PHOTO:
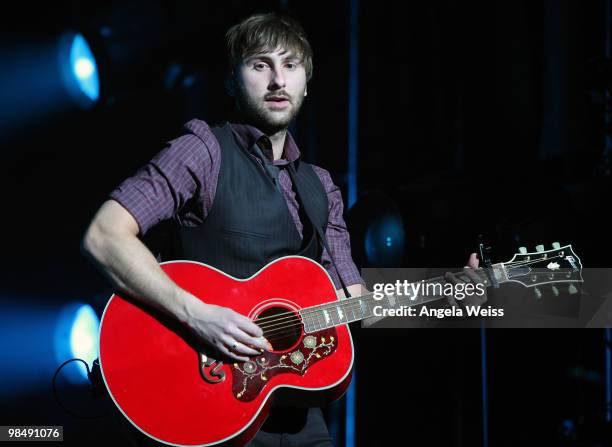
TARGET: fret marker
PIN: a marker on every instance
(340, 313)
(326, 315)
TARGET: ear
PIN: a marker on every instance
(305, 92)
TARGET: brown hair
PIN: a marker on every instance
(265, 32)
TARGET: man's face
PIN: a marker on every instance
(270, 89)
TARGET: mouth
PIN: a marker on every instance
(277, 102)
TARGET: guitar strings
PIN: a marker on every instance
(288, 329)
(306, 312)
(509, 265)
(290, 315)
(315, 309)
(278, 322)
(531, 261)
(285, 330)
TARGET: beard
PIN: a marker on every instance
(267, 120)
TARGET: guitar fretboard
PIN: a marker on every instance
(335, 313)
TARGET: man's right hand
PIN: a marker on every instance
(231, 333)
(111, 242)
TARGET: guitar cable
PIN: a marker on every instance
(95, 385)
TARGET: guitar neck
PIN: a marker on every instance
(358, 308)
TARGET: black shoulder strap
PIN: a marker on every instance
(292, 174)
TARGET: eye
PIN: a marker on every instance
(260, 66)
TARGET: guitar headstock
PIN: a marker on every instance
(557, 266)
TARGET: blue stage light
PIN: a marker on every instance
(84, 334)
(77, 337)
(84, 67)
(79, 69)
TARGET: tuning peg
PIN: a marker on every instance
(555, 291)
(537, 292)
(539, 248)
(523, 250)
(556, 245)
(572, 289)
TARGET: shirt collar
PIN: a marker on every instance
(247, 135)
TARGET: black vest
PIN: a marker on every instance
(249, 224)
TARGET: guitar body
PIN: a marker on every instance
(180, 392)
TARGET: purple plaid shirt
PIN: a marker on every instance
(188, 169)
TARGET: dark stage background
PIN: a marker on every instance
(473, 118)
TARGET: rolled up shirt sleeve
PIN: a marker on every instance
(337, 236)
(158, 190)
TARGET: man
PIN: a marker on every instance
(231, 194)
(228, 214)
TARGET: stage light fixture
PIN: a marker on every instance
(77, 337)
(79, 70)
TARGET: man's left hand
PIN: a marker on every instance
(468, 270)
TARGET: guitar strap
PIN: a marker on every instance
(292, 174)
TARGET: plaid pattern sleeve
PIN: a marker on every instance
(337, 236)
(158, 190)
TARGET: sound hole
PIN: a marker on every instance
(282, 327)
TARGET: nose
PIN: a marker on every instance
(278, 79)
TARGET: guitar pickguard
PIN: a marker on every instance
(249, 378)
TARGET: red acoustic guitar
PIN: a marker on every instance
(180, 393)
